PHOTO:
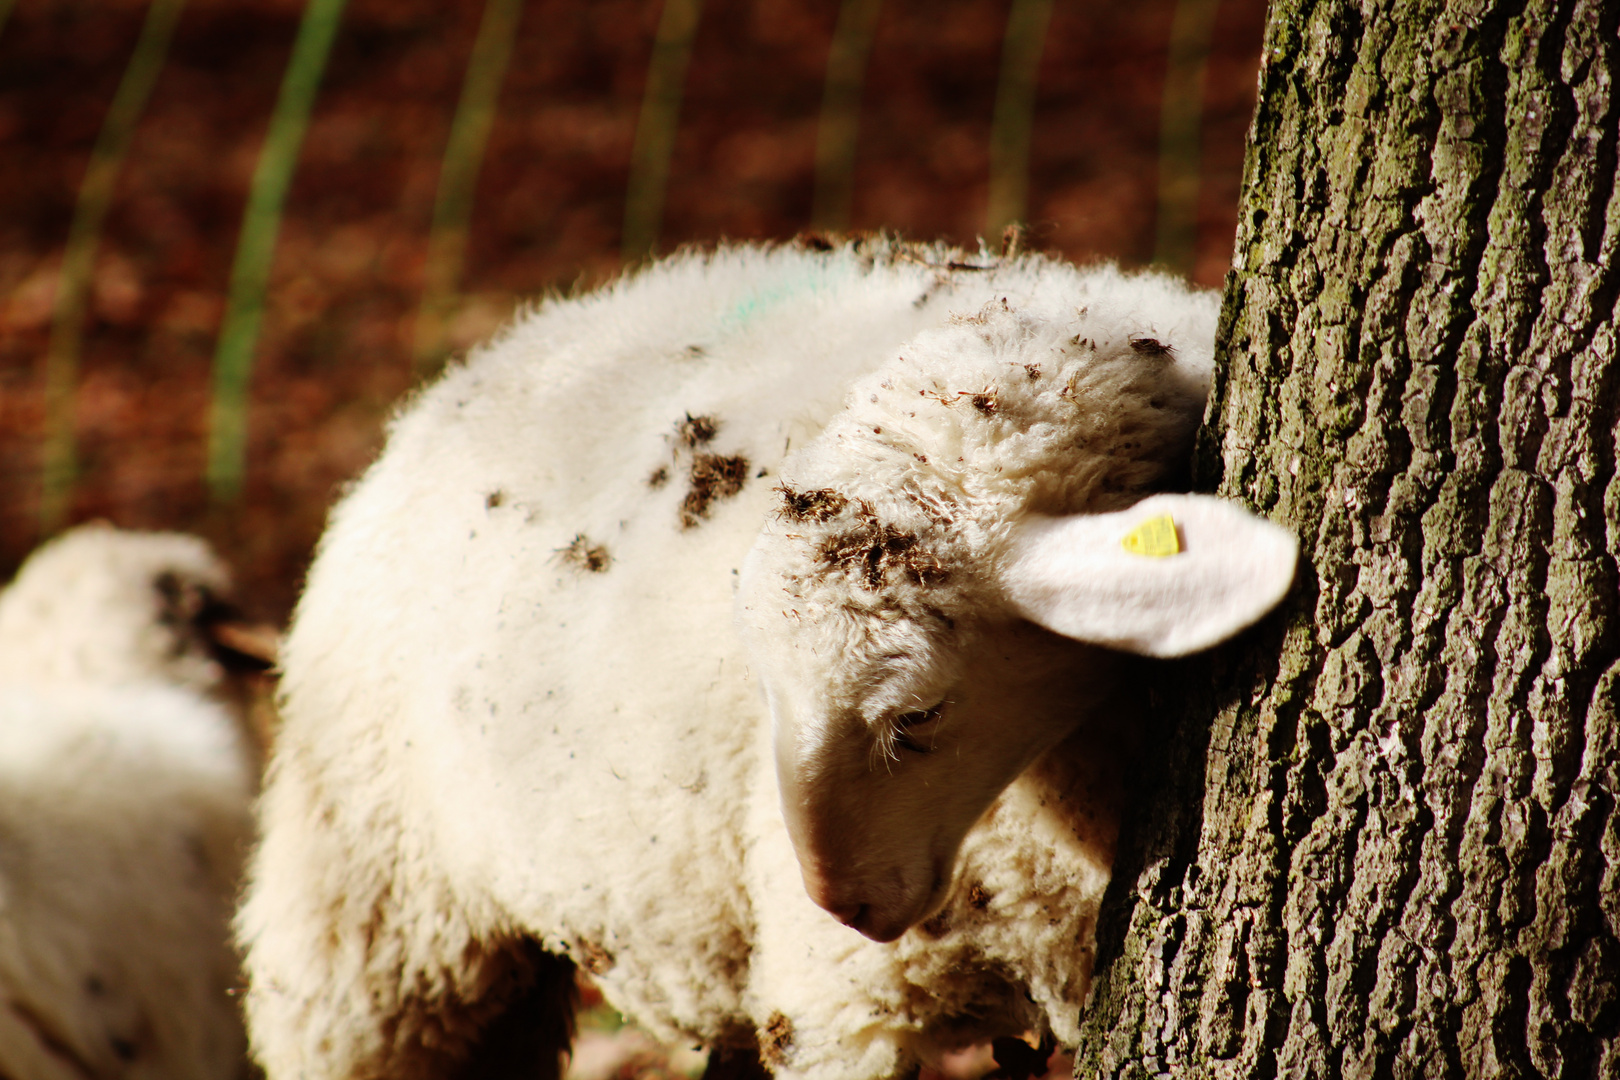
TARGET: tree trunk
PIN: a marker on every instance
(1379, 837)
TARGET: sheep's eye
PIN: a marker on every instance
(911, 729)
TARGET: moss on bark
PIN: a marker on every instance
(1383, 840)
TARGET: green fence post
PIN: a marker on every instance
(250, 271)
(458, 179)
(1015, 114)
(655, 129)
(59, 466)
(840, 124)
(1180, 121)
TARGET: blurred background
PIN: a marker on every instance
(233, 233)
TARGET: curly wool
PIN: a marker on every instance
(515, 705)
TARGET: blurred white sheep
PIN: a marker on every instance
(126, 780)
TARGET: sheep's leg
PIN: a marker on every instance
(528, 1039)
(1017, 1060)
(364, 962)
(505, 1013)
(736, 1061)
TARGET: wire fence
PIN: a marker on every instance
(850, 91)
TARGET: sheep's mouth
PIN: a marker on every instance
(884, 927)
(881, 931)
(237, 645)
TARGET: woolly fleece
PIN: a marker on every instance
(515, 704)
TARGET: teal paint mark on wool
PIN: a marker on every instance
(764, 301)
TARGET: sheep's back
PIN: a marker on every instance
(512, 688)
(512, 670)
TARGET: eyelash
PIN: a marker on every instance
(905, 722)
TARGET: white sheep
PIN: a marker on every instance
(520, 723)
(125, 792)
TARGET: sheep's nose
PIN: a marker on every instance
(849, 914)
(856, 916)
(841, 907)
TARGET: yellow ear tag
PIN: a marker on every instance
(1155, 537)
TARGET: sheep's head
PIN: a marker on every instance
(925, 625)
(105, 605)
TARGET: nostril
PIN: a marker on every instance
(854, 921)
(845, 909)
(847, 913)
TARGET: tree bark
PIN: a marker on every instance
(1380, 837)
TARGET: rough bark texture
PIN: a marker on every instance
(1395, 850)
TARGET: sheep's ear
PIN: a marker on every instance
(1171, 575)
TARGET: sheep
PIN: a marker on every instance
(126, 782)
(656, 543)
